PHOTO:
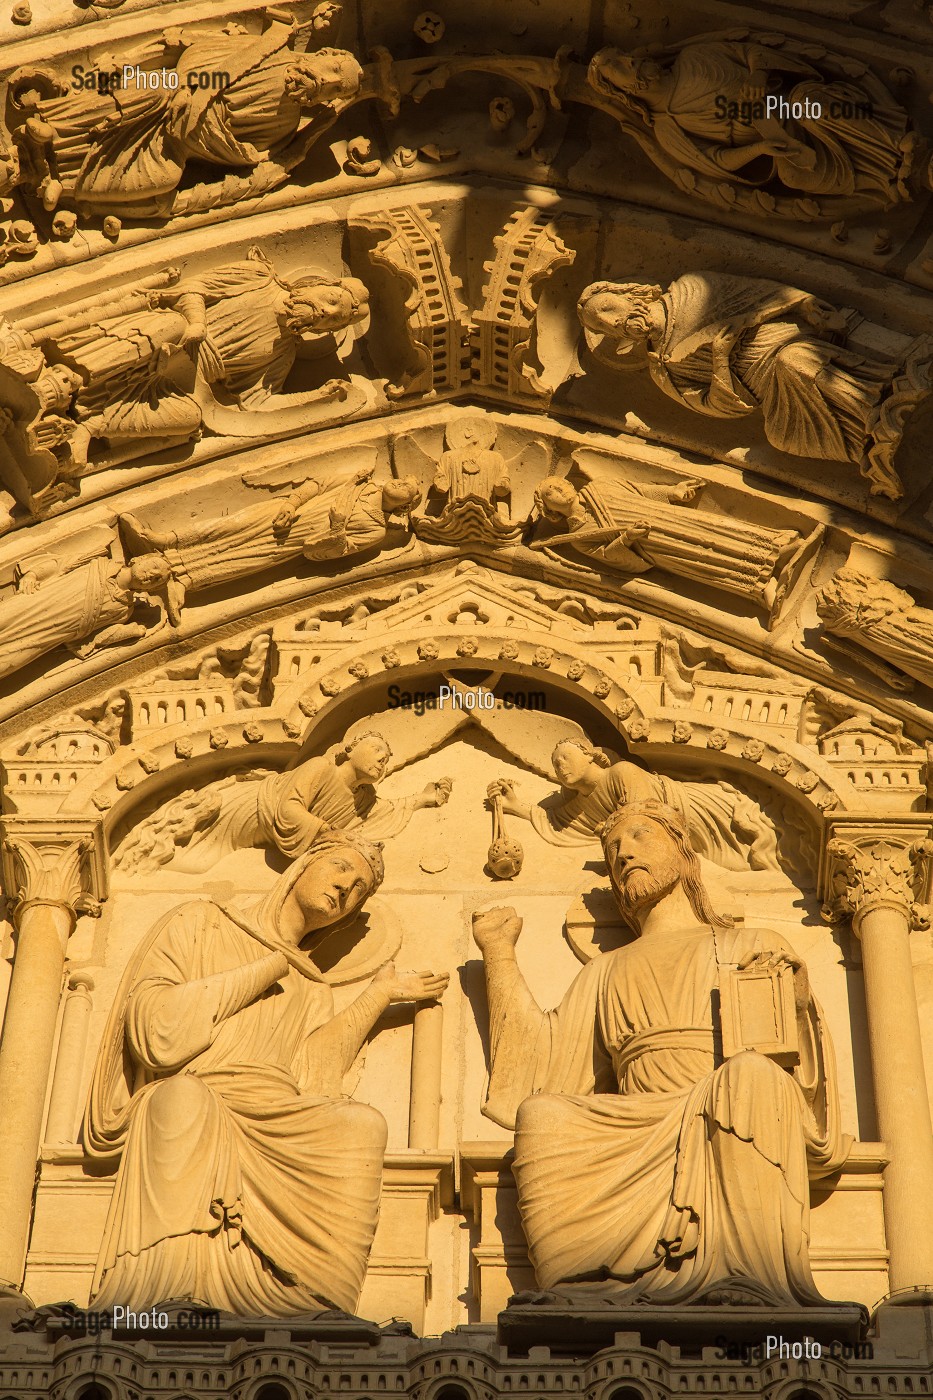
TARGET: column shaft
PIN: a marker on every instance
(69, 1062)
(425, 1104)
(901, 1097)
(25, 1062)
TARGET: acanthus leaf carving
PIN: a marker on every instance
(877, 872)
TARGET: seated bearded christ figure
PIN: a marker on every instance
(247, 1181)
(645, 1160)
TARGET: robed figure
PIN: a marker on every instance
(645, 1161)
(247, 1181)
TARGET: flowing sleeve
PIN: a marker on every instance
(558, 1052)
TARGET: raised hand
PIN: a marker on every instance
(496, 928)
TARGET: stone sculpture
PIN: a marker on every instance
(700, 109)
(472, 478)
(122, 148)
(724, 825)
(81, 604)
(247, 1181)
(227, 339)
(288, 811)
(634, 526)
(726, 346)
(649, 1165)
(314, 521)
(882, 618)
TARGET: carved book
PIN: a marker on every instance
(758, 1013)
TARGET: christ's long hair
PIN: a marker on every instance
(691, 877)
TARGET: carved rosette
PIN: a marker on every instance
(875, 872)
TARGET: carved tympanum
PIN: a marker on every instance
(636, 1144)
(726, 346)
(247, 1180)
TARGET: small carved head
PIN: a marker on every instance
(401, 496)
(470, 433)
(619, 310)
(320, 305)
(64, 224)
(618, 74)
(329, 75)
(555, 498)
(57, 385)
(368, 755)
(149, 571)
(575, 762)
(336, 877)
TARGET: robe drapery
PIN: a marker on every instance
(68, 608)
(720, 551)
(642, 1157)
(724, 826)
(246, 1181)
(817, 399)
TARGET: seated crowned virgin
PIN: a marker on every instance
(247, 1181)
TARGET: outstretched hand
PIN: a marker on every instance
(411, 986)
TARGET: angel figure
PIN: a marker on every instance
(286, 811)
(725, 826)
(318, 520)
(471, 483)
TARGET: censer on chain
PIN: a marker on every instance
(505, 855)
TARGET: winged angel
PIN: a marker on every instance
(469, 487)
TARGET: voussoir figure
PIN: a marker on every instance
(727, 346)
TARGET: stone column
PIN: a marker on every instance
(47, 885)
(879, 879)
(69, 1062)
(425, 1103)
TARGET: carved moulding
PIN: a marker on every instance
(318, 672)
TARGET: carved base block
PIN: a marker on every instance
(575, 1325)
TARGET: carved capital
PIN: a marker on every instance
(54, 861)
(871, 866)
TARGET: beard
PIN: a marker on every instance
(643, 887)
